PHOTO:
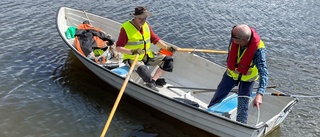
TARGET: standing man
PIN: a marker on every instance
(246, 63)
(136, 37)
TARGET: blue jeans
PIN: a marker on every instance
(225, 86)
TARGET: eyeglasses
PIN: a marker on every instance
(234, 37)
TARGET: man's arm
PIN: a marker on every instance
(260, 61)
(161, 44)
(156, 40)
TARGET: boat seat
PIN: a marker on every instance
(122, 71)
(227, 105)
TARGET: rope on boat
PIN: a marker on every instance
(87, 16)
(258, 115)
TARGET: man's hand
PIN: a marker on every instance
(257, 101)
(172, 49)
(137, 51)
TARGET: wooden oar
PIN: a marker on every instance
(124, 85)
(202, 50)
(202, 90)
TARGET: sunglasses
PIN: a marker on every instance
(234, 37)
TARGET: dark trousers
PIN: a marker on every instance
(225, 86)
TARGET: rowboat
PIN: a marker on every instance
(181, 97)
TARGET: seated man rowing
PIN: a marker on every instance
(136, 37)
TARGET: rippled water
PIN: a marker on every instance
(46, 91)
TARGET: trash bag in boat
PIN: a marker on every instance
(71, 31)
(88, 39)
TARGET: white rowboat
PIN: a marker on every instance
(190, 70)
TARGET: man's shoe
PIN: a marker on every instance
(152, 85)
(160, 82)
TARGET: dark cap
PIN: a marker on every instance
(142, 12)
(86, 22)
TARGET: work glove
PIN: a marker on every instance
(172, 49)
(110, 42)
(137, 51)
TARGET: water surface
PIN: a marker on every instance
(46, 91)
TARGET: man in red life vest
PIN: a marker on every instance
(246, 63)
(136, 37)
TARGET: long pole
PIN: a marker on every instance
(124, 85)
(202, 50)
(201, 90)
(213, 90)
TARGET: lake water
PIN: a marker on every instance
(46, 91)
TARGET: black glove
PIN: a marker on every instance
(172, 49)
(137, 51)
(110, 42)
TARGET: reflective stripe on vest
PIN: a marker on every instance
(252, 73)
(137, 40)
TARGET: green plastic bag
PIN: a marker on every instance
(98, 52)
(71, 31)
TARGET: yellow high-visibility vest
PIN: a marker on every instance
(137, 40)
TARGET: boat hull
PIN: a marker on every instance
(164, 100)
